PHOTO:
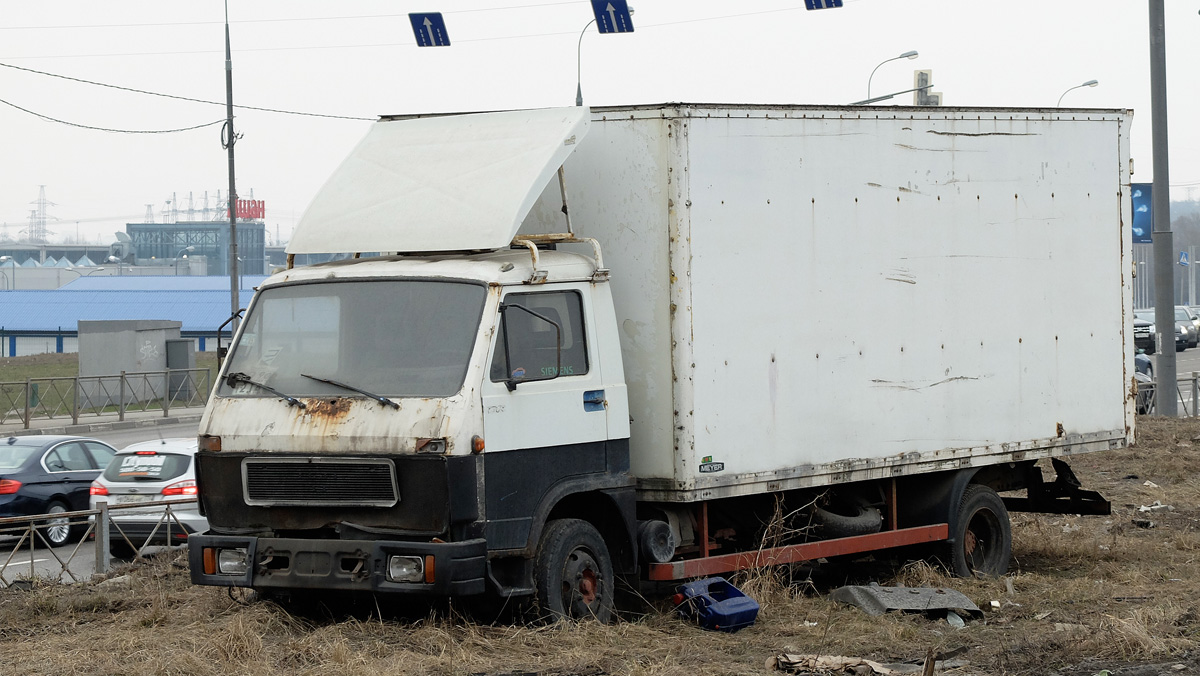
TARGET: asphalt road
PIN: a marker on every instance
(80, 558)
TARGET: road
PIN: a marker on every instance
(83, 564)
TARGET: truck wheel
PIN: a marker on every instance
(573, 573)
(982, 541)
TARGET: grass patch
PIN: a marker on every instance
(1087, 593)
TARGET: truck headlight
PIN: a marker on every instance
(406, 569)
(232, 562)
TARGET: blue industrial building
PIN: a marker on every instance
(40, 321)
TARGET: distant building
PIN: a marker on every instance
(208, 238)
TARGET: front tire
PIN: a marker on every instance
(573, 573)
(982, 540)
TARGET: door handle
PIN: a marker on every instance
(593, 400)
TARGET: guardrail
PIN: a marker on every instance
(1187, 388)
(30, 533)
(82, 396)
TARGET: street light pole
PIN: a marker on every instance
(1089, 83)
(5, 259)
(905, 55)
(578, 66)
(579, 60)
(1164, 244)
(230, 139)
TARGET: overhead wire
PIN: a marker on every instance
(291, 19)
(115, 131)
(180, 98)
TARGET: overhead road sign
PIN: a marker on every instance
(822, 4)
(430, 29)
(613, 16)
(1143, 221)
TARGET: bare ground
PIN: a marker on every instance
(1120, 593)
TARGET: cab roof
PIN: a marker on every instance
(505, 267)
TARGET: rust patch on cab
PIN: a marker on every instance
(331, 409)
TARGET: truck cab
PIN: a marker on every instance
(413, 423)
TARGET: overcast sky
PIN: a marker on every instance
(360, 59)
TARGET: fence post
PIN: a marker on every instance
(28, 413)
(1195, 392)
(121, 405)
(75, 402)
(166, 392)
(103, 547)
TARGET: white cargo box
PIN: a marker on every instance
(814, 295)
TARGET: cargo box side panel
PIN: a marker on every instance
(619, 191)
(902, 292)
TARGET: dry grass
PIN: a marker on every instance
(1088, 593)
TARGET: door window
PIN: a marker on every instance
(67, 458)
(101, 454)
(534, 342)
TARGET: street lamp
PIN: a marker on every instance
(117, 261)
(1089, 83)
(579, 61)
(7, 285)
(187, 249)
(905, 55)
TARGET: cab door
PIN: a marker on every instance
(545, 388)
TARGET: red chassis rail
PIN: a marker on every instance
(724, 563)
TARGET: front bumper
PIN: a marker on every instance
(459, 568)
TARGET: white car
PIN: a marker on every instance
(150, 471)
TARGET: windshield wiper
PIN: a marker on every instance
(234, 378)
(383, 400)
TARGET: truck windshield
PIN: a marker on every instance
(394, 338)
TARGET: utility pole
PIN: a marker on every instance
(230, 138)
(1164, 245)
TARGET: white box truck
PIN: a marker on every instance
(569, 344)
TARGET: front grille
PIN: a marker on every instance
(319, 481)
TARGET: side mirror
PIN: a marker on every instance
(511, 380)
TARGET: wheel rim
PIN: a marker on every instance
(57, 528)
(981, 549)
(582, 584)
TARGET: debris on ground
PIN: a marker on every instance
(714, 603)
(1156, 506)
(826, 664)
(876, 600)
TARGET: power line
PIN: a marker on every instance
(409, 44)
(286, 20)
(180, 98)
(116, 131)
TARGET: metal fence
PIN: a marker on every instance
(25, 542)
(1187, 389)
(82, 396)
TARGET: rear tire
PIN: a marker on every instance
(982, 541)
(57, 530)
(573, 573)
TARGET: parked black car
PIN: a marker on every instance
(44, 474)
(1143, 335)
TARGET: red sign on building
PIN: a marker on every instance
(251, 209)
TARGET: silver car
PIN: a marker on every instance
(150, 471)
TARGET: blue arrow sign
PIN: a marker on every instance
(613, 16)
(822, 4)
(430, 29)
